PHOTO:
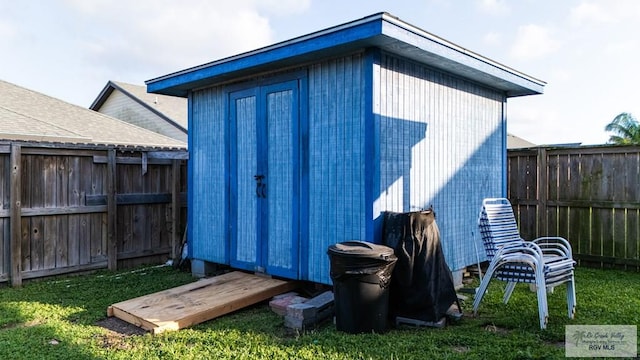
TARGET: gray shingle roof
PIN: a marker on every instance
(515, 142)
(32, 116)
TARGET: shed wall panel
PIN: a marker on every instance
(441, 145)
(246, 220)
(336, 159)
(208, 188)
(282, 190)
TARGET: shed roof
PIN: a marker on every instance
(172, 109)
(27, 115)
(380, 30)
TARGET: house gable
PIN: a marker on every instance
(166, 115)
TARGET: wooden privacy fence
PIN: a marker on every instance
(69, 208)
(589, 195)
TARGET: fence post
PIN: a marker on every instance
(542, 184)
(16, 215)
(175, 205)
(112, 242)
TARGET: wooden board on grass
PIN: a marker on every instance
(203, 300)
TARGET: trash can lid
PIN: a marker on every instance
(358, 249)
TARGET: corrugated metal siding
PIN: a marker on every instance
(207, 186)
(336, 159)
(441, 144)
(121, 106)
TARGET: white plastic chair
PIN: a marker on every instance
(545, 262)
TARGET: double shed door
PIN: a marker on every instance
(265, 178)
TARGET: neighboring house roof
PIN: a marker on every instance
(163, 114)
(515, 142)
(27, 115)
(382, 31)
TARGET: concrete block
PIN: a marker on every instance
(279, 305)
(301, 311)
(323, 300)
(201, 268)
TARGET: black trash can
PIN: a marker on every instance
(361, 275)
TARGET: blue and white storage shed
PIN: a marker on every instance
(305, 143)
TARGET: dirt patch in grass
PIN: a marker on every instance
(558, 344)
(120, 327)
(119, 332)
(495, 329)
(461, 349)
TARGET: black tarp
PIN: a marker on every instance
(422, 285)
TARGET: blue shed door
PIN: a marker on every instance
(265, 179)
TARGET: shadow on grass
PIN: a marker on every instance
(57, 318)
(67, 310)
(32, 336)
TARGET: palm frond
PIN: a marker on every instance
(625, 130)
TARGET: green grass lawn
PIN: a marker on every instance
(59, 319)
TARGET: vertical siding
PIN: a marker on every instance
(245, 222)
(207, 186)
(336, 159)
(441, 144)
(121, 106)
(280, 188)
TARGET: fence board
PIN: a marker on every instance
(590, 195)
(574, 178)
(62, 246)
(553, 163)
(59, 231)
(633, 234)
(49, 242)
(4, 247)
(5, 236)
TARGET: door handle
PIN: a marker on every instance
(259, 185)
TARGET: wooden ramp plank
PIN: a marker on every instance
(193, 303)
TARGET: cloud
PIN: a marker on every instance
(282, 7)
(165, 34)
(622, 48)
(601, 12)
(588, 12)
(492, 38)
(494, 7)
(7, 30)
(533, 42)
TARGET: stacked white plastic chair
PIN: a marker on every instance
(545, 262)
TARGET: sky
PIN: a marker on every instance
(587, 51)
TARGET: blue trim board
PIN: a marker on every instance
(226, 110)
(231, 171)
(262, 243)
(294, 250)
(177, 84)
(379, 30)
(303, 118)
(190, 177)
(503, 125)
(371, 141)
